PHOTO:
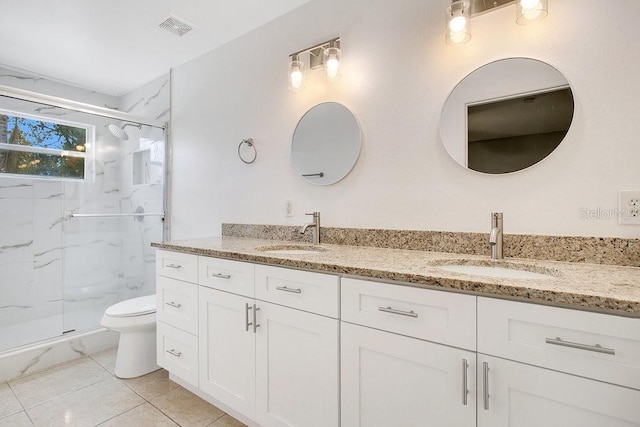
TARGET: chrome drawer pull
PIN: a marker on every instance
(597, 348)
(255, 318)
(174, 353)
(485, 385)
(400, 312)
(221, 276)
(292, 290)
(173, 304)
(246, 317)
(176, 266)
(465, 390)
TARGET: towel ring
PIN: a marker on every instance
(250, 143)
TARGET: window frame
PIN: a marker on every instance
(87, 154)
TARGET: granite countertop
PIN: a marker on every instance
(593, 287)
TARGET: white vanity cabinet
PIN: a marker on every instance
(391, 372)
(177, 314)
(297, 348)
(567, 368)
(274, 362)
(280, 347)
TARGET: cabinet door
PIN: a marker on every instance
(519, 395)
(227, 349)
(297, 374)
(393, 380)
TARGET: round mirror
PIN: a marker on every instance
(326, 143)
(507, 115)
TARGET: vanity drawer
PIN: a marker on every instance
(600, 346)
(177, 265)
(226, 275)
(178, 352)
(437, 316)
(177, 304)
(314, 292)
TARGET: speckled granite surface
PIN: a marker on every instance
(596, 250)
(594, 287)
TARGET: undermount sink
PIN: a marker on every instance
(498, 269)
(291, 249)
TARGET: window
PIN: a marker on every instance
(43, 147)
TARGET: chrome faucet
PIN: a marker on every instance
(315, 225)
(495, 236)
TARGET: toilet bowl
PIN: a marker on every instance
(135, 319)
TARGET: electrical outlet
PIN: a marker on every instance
(629, 207)
(289, 208)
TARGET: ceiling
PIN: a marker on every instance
(114, 46)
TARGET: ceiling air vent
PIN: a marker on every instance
(176, 26)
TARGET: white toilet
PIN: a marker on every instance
(135, 319)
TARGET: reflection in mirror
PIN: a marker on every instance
(326, 143)
(507, 115)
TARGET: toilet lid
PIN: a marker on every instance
(133, 307)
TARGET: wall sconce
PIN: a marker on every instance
(459, 13)
(325, 54)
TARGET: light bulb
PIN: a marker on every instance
(457, 24)
(332, 67)
(529, 4)
(296, 79)
(531, 10)
(331, 62)
(296, 74)
(457, 20)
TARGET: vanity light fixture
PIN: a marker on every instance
(460, 12)
(325, 54)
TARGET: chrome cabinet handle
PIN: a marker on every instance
(485, 385)
(597, 347)
(292, 290)
(255, 320)
(400, 312)
(221, 276)
(176, 266)
(175, 353)
(173, 304)
(465, 390)
(246, 317)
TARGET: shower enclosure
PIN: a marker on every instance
(79, 206)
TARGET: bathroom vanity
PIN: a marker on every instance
(287, 335)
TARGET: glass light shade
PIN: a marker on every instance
(331, 59)
(531, 10)
(457, 18)
(296, 75)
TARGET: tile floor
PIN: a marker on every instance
(85, 392)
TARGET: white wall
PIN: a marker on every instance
(397, 74)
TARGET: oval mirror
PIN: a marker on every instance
(507, 115)
(326, 143)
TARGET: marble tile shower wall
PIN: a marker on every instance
(59, 274)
